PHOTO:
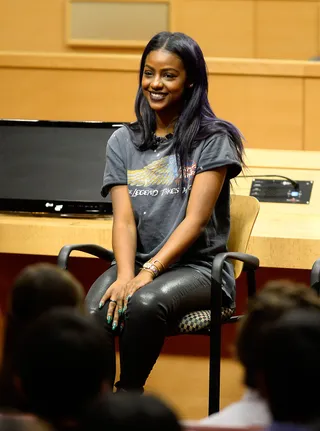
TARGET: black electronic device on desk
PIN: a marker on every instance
(281, 191)
(53, 167)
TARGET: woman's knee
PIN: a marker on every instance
(145, 304)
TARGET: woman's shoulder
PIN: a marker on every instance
(126, 131)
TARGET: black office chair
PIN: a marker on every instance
(315, 276)
(243, 213)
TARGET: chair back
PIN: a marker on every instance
(315, 276)
(243, 214)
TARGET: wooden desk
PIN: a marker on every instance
(285, 235)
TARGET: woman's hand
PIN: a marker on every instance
(143, 278)
(116, 295)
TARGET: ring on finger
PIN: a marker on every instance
(113, 300)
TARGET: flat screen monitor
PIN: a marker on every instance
(53, 167)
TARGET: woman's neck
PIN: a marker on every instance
(164, 126)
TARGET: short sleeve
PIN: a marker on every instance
(115, 172)
(219, 151)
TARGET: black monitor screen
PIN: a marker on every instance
(54, 167)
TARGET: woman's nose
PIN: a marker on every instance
(157, 83)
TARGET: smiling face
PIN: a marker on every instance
(164, 81)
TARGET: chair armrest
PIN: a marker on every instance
(315, 276)
(93, 249)
(251, 263)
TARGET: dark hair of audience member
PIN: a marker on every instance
(22, 422)
(290, 372)
(62, 363)
(131, 411)
(272, 302)
(37, 289)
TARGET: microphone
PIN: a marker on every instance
(157, 140)
(294, 183)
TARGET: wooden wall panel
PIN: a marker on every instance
(318, 53)
(287, 29)
(267, 110)
(40, 26)
(273, 102)
(221, 27)
(67, 95)
(32, 25)
(312, 114)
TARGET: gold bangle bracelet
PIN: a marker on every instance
(163, 268)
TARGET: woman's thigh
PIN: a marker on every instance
(175, 292)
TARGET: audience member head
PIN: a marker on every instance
(290, 372)
(40, 287)
(22, 422)
(37, 289)
(63, 362)
(272, 302)
(131, 411)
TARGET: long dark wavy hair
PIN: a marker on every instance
(197, 120)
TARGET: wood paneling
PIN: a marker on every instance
(267, 110)
(273, 102)
(312, 114)
(286, 29)
(118, 24)
(67, 94)
(318, 53)
(39, 26)
(221, 27)
(33, 25)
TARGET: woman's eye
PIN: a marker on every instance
(147, 73)
(169, 75)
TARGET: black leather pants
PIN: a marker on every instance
(152, 313)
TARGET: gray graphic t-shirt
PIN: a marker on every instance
(159, 204)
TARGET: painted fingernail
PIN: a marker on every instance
(114, 325)
(124, 309)
(128, 297)
(101, 304)
(120, 311)
(109, 320)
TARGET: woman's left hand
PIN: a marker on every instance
(140, 280)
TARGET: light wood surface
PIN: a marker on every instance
(284, 235)
(183, 382)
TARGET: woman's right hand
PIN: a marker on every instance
(116, 296)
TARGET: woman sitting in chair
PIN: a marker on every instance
(168, 174)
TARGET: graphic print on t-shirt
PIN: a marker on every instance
(160, 172)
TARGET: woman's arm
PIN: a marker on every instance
(124, 244)
(203, 197)
(124, 233)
